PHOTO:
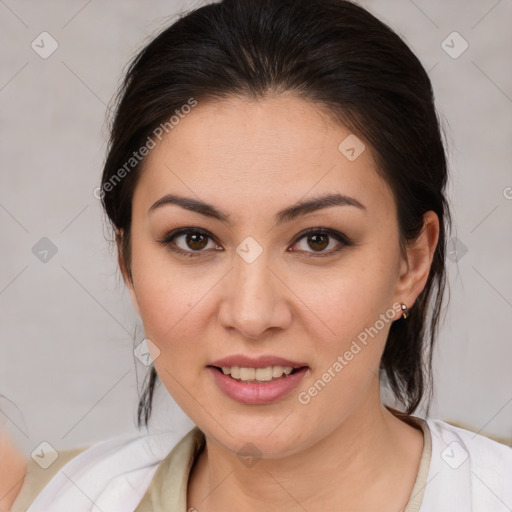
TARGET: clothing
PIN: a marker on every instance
(36, 478)
(168, 490)
(459, 471)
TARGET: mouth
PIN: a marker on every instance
(257, 375)
(257, 381)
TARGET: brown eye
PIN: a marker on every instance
(196, 241)
(318, 242)
(189, 242)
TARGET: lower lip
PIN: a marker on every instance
(256, 393)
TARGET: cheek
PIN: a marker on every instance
(175, 320)
(350, 297)
(171, 309)
(353, 312)
(169, 297)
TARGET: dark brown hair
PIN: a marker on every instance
(355, 68)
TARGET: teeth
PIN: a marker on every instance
(277, 371)
(259, 374)
(247, 373)
(264, 374)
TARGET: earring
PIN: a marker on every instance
(404, 311)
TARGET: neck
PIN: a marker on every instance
(351, 467)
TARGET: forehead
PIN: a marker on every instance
(250, 154)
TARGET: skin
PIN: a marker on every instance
(343, 450)
(12, 471)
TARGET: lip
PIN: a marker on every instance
(259, 362)
(255, 393)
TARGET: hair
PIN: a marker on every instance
(336, 55)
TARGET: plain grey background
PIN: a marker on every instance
(67, 369)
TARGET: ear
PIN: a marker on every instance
(127, 278)
(415, 267)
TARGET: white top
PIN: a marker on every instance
(467, 472)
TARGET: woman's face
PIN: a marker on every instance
(252, 284)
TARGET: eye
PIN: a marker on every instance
(191, 242)
(187, 241)
(319, 239)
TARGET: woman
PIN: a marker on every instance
(276, 183)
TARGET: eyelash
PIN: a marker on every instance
(340, 237)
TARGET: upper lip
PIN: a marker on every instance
(258, 362)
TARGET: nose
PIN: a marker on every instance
(255, 300)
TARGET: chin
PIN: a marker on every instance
(264, 438)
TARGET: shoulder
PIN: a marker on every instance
(480, 449)
(467, 471)
(36, 478)
(118, 468)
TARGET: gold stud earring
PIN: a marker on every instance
(404, 311)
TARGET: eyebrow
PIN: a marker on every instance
(286, 215)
